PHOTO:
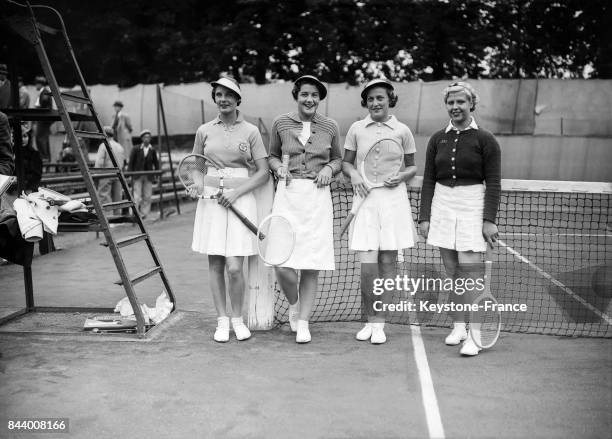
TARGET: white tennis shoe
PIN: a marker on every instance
(378, 333)
(469, 348)
(365, 333)
(223, 329)
(457, 335)
(240, 329)
(303, 333)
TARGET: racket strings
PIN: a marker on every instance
(278, 240)
(383, 160)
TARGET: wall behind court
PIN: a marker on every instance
(548, 128)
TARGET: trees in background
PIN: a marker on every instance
(127, 42)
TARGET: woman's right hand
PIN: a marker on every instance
(359, 186)
(283, 172)
(424, 229)
(195, 190)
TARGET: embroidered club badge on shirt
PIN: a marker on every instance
(243, 146)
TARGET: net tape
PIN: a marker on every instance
(555, 245)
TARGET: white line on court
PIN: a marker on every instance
(430, 402)
(563, 288)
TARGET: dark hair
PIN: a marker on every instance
(298, 85)
(212, 94)
(392, 97)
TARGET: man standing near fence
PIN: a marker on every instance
(122, 128)
(42, 129)
(110, 189)
(143, 158)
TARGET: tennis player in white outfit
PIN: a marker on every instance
(217, 232)
(384, 224)
(312, 143)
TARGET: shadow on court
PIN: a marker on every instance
(183, 385)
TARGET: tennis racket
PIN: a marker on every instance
(277, 240)
(383, 160)
(193, 174)
(485, 324)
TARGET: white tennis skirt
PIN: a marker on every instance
(218, 231)
(310, 211)
(384, 221)
(456, 218)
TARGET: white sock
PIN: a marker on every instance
(223, 322)
(237, 321)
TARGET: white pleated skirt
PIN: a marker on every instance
(218, 231)
(384, 221)
(456, 218)
(310, 211)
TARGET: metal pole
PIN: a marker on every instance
(163, 118)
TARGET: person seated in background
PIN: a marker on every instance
(110, 188)
(7, 160)
(143, 158)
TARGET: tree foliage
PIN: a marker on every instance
(126, 42)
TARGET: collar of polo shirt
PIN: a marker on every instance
(295, 116)
(239, 118)
(471, 126)
(391, 122)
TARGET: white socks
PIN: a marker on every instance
(294, 310)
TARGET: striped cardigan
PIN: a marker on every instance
(305, 161)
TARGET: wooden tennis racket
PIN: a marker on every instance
(383, 160)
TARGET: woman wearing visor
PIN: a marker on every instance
(312, 143)
(383, 224)
(217, 232)
(460, 198)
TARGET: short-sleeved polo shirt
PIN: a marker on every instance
(364, 133)
(236, 146)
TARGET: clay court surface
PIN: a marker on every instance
(180, 384)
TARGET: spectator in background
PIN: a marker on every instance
(110, 189)
(42, 129)
(24, 96)
(122, 128)
(143, 158)
(5, 88)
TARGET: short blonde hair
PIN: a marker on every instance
(464, 87)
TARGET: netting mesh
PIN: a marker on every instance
(553, 256)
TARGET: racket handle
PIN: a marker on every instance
(346, 224)
(252, 227)
(286, 166)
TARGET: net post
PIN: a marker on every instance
(261, 280)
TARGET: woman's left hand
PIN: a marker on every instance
(393, 181)
(228, 198)
(490, 233)
(324, 178)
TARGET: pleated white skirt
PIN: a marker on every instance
(384, 221)
(218, 231)
(456, 218)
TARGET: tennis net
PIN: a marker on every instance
(554, 256)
